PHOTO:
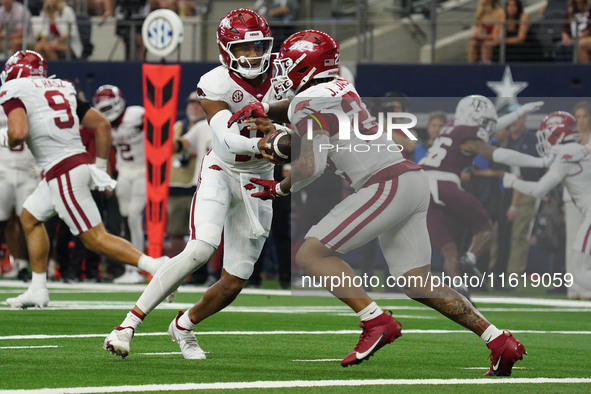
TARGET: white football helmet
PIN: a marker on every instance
(109, 101)
(476, 110)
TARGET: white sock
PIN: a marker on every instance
(132, 320)
(185, 321)
(370, 312)
(20, 264)
(173, 273)
(491, 333)
(472, 257)
(148, 264)
(39, 280)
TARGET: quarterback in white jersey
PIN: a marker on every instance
(223, 199)
(127, 125)
(572, 168)
(390, 201)
(45, 113)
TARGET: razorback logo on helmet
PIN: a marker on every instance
(249, 186)
(200, 92)
(3, 93)
(237, 96)
(215, 167)
(302, 105)
(567, 157)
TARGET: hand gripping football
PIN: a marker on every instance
(279, 146)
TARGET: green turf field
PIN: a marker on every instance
(270, 342)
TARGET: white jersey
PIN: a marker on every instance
(574, 162)
(51, 111)
(220, 84)
(572, 167)
(17, 158)
(128, 138)
(356, 160)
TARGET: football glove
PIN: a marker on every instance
(254, 110)
(271, 189)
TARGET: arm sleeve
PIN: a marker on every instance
(231, 137)
(514, 158)
(505, 121)
(540, 188)
(81, 108)
(320, 159)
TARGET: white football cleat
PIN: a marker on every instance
(130, 277)
(186, 340)
(32, 298)
(118, 341)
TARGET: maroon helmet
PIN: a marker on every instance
(109, 101)
(306, 55)
(245, 30)
(24, 64)
(556, 128)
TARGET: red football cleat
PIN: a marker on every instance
(505, 351)
(376, 333)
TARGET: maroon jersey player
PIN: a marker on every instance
(453, 151)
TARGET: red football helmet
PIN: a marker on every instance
(245, 30)
(556, 128)
(24, 64)
(306, 55)
(109, 101)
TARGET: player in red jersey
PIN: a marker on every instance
(390, 201)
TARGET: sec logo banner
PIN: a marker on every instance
(162, 32)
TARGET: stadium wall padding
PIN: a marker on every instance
(552, 80)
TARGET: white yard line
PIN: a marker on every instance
(339, 332)
(111, 288)
(28, 347)
(336, 309)
(158, 354)
(295, 383)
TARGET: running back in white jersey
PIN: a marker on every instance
(574, 162)
(128, 138)
(356, 160)
(51, 111)
(221, 84)
(17, 158)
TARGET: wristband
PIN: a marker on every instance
(101, 164)
(266, 107)
(513, 208)
(279, 191)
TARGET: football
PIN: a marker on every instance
(279, 146)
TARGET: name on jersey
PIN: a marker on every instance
(50, 83)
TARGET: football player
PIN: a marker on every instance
(223, 198)
(127, 125)
(390, 201)
(45, 113)
(454, 150)
(572, 168)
